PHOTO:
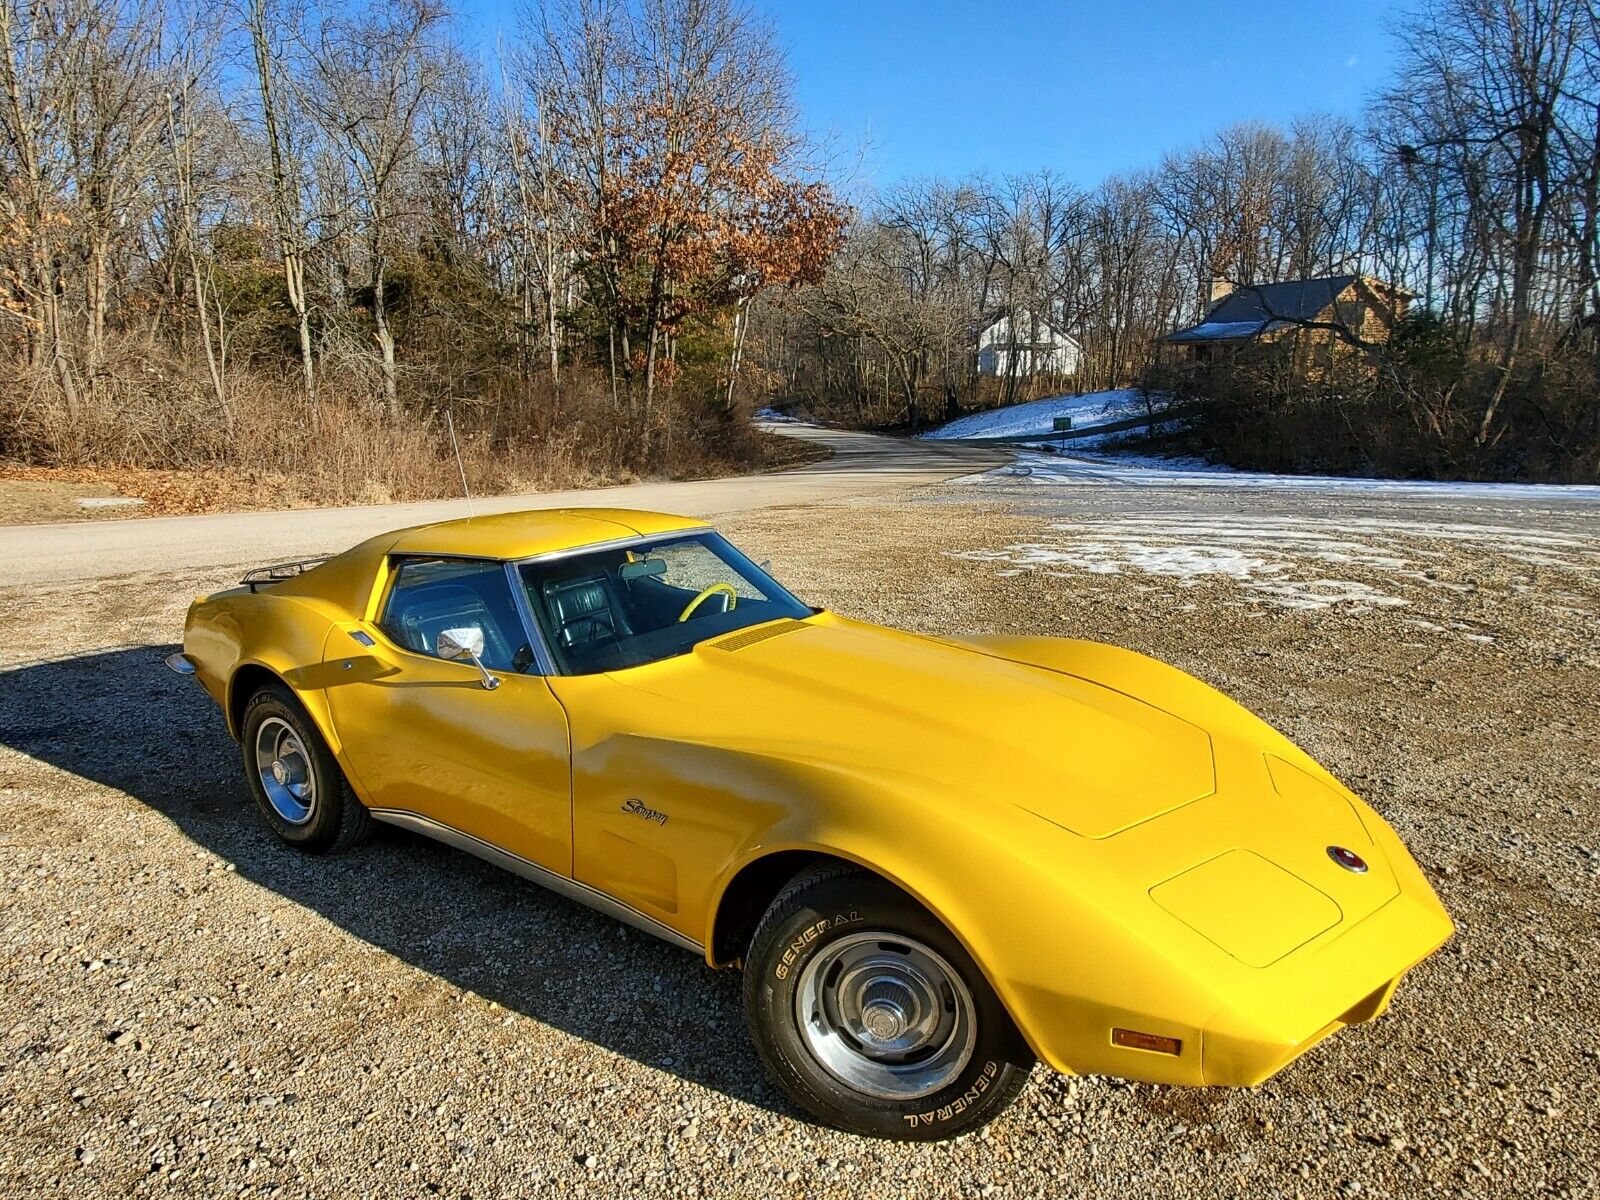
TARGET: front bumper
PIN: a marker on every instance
(1236, 1026)
(1315, 993)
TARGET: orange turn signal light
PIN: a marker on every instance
(1135, 1040)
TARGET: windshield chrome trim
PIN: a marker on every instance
(543, 660)
(633, 539)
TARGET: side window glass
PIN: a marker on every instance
(428, 595)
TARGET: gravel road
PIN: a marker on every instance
(859, 464)
(192, 1010)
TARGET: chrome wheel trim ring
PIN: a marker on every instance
(886, 1015)
(285, 771)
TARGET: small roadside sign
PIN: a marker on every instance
(1060, 424)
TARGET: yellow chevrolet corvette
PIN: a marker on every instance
(936, 859)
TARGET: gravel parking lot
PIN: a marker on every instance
(191, 1009)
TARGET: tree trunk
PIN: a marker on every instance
(59, 362)
(284, 207)
(741, 325)
(294, 278)
(380, 320)
(95, 286)
(184, 179)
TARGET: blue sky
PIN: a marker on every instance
(1085, 87)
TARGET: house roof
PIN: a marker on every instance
(1249, 310)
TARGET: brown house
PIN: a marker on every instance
(1302, 312)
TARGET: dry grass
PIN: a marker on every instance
(154, 429)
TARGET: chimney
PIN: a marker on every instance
(1220, 289)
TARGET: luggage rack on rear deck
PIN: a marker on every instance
(277, 573)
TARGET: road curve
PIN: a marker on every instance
(860, 463)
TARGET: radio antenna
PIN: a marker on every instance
(450, 424)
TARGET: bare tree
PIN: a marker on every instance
(40, 73)
(1488, 81)
(264, 26)
(372, 71)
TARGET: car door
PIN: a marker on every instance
(427, 741)
(659, 805)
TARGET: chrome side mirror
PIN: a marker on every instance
(465, 644)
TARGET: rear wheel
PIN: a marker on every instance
(298, 787)
(872, 1017)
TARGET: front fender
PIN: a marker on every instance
(1013, 890)
(1154, 682)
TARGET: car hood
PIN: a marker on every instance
(1082, 755)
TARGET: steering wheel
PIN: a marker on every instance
(725, 588)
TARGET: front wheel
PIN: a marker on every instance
(298, 787)
(872, 1017)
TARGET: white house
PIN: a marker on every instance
(1036, 347)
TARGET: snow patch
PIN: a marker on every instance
(1077, 469)
(1286, 562)
(773, 417)
(1037, 417)
(1269, 578)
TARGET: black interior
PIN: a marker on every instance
(591, 613)
(586, 611)
(598, 617)
(594, 615)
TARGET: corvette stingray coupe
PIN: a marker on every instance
(936, 859)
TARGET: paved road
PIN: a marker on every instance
(861, 463)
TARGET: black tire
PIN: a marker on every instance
(826, 915)
(335, 819)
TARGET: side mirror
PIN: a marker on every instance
(465, 644)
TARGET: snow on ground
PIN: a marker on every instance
(773, 416)
(1287, 562)
(1037, 418)
(1310, 560)
(1133, 470)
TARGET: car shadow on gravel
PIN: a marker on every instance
(119, 718)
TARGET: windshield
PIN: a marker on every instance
(640, 603)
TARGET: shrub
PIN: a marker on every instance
(155, 408)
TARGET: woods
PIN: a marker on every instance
(289, 236)
(286, 236)
(1471, 183)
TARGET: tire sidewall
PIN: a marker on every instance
(326, 815)
(796, 933)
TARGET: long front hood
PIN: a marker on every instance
(1084, 756)
(1096, 741)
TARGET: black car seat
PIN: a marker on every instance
(584, 611)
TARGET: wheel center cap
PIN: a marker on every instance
(883, 1021)
(289, 771)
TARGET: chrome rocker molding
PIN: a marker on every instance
(560, 884)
